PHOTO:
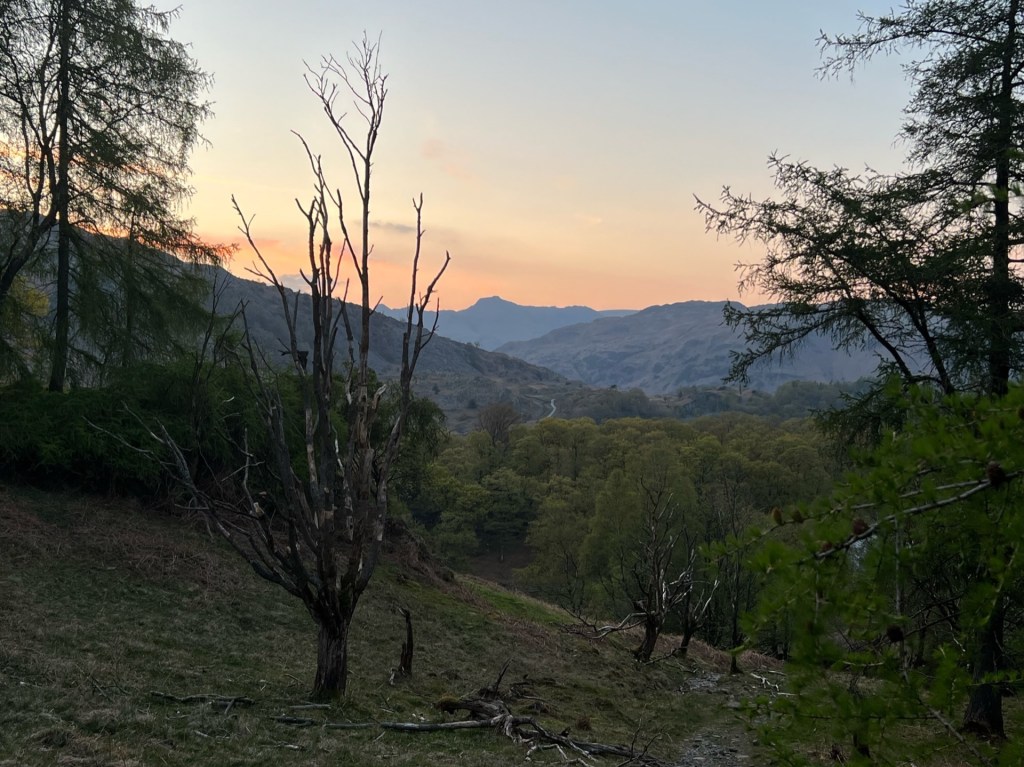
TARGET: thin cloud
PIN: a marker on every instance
(392, 226)
(295, 282)
(450, 162)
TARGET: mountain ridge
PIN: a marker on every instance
(493, 321)
(666, 347)
(461, 378)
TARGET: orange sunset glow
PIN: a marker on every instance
(558, 147)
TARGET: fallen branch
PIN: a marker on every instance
(228, 701)
(519, 728)
(298, 721)
(466, 724)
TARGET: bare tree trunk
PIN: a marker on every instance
(984, 714)
(331, 656)
(405, 663)
(652, 630)
(734, 667)
(684, 644)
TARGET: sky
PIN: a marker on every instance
(558, 144)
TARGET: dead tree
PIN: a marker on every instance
(319, 531)
(661, 582)
(497, 420)
(655, 564)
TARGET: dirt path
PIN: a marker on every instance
(729, 742)
(716, 750)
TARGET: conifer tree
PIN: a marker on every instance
(918, 263)
(99, 110)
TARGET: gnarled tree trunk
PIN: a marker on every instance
(331, 656)
(652, 630)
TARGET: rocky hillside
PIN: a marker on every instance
(664, 348)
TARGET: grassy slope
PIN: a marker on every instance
(102, 603)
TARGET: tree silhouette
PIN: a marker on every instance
(318, 531)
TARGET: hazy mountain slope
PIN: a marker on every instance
(491, 322)
(654, 350)
(663, 348)
(442, 355)
(461, 378)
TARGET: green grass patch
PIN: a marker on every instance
(105, 602)
(511, 605)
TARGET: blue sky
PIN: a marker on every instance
(558, 145)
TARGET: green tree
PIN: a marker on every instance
(99, 110)
(554, 536)
(508, 512)
(894, 584)
(452, 510)
(921, 263)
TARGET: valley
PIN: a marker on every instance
(665, 361)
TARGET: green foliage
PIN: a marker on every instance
(131, 304)
(921, 263)
(99, 439)
(21, 312)
(108, 107)
(892, 586)
(452, 509)
(580, 495)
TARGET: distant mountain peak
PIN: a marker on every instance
(493, 320)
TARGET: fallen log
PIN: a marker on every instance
(519, 728)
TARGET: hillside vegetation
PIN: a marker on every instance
(113, 609)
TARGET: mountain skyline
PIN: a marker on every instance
(669, 347)
(659, 349)
(492, 321)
